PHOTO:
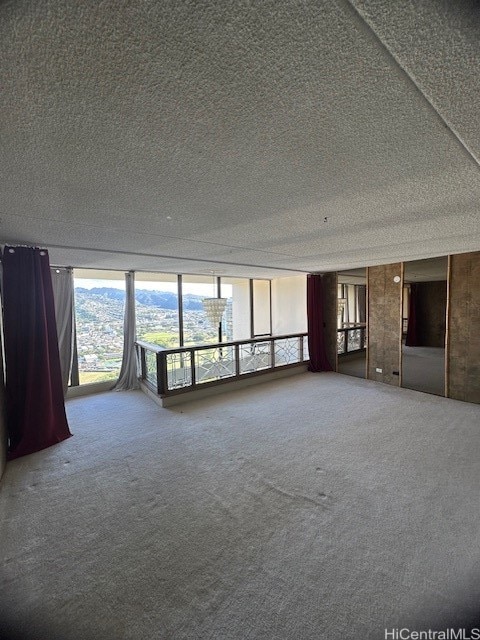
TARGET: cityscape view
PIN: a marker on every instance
(99, 321)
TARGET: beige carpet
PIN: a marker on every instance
(320, 506)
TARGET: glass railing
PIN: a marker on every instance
(171, 371)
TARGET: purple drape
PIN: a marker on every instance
(35, 407)
(316, 325)
(412, 339)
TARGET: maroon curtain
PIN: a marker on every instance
(412, 339)
(316, 325)
(35, 407)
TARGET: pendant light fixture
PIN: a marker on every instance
(214, 307)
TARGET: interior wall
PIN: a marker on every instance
(261, 307)
(431, 313)
(463, 345)
(384, 323)
(289, 305)
(330, 306)
(241, 310)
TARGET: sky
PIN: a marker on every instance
(196, 288)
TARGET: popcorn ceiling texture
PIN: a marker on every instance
(188, 136)
(438, 45)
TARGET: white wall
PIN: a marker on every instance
(289, 305)
(241, 310)
(261, 307)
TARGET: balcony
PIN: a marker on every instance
(171, 372)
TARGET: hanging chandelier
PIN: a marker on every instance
(214, 307)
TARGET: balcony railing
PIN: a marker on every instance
(171, 371)
(351, 339)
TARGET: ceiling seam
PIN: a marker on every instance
(161, 236)
(167, 257)
(370, 31)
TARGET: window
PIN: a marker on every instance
(236, 319)
(99, 311)
(196, 326)
(156, 307)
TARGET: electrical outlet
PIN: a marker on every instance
(379, 370)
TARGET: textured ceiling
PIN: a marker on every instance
(243, 138)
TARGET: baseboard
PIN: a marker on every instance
(88, 389)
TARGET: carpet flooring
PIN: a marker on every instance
(318, 506)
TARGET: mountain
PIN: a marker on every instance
(161, 299)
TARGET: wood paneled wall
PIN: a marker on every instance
(330, 304)
(384, 323)
(463, 344)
